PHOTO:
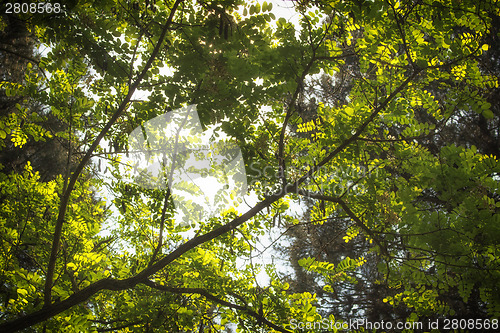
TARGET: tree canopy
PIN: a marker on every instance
(369, 132)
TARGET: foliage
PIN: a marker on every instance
(339, 111)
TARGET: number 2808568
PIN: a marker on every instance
(33, 8)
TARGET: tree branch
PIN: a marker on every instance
(349, 212)
(20, 55)
(117, 285)
(217, 300)
(289, 112)
(162, 224)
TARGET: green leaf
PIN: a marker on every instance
(485, 106)
(488, 114)
(22, 292)
(349, 110)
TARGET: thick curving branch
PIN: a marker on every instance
(116, 285)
